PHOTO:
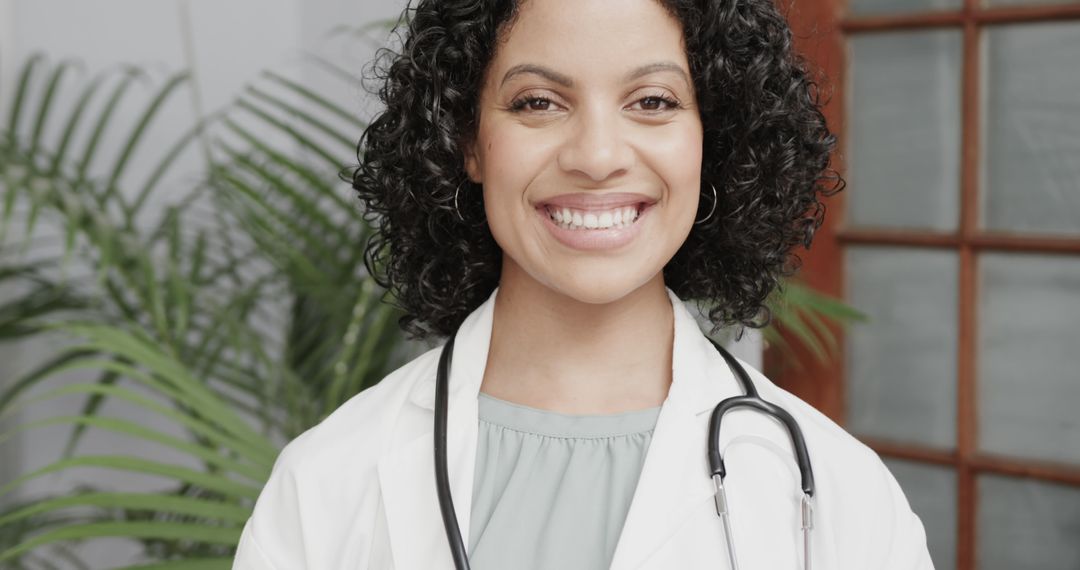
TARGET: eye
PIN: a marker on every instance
(530, 103)
(661, 100)
(541, 104)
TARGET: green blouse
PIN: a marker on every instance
(552, 490)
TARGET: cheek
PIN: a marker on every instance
(506, 154)
(678, 159)
(686, 150)
(506, 178)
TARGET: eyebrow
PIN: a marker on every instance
(565, 81)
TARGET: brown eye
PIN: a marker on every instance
(651, 101)
(659, 100)
(533, 104)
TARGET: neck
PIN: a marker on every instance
(554, 352)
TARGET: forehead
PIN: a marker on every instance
(590, 39)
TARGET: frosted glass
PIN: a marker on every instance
(1026, 2)
(901, 363)
(868, 7)
(1027, 524)
(1031, 170)
(903, 147)
(931, 491)
(1029, 376)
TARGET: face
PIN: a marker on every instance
(588, 114)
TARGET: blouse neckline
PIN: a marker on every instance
(527, 419)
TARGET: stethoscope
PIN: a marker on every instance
(716, 460)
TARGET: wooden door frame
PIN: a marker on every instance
(815, 26)
(820, 30)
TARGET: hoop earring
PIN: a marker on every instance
(456, 211)
(713, 205)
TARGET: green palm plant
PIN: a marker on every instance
(806, 314)
(240, 316)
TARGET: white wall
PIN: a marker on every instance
(7, 38)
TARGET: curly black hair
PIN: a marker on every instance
(766, 149)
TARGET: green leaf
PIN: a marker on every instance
(144, 467)
(301, 139)
(175, 531)
(151, 502)
(46, 105)
(308, 118)
(136, 135)
(138, 348)
(317, 99)
(209, 456)
(130, 74)
(73, 122)
(222, 563)
(25, 78)
(263, 456)
(163, 166)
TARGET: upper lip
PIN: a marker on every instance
(596, 200)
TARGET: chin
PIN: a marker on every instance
(599, 289)
(589, 281)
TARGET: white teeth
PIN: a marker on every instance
(576, 220)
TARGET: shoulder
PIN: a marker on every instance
(362, 429)
(324, 482)
(857, 495)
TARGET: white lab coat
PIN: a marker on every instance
(358, 491)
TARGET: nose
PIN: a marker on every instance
(596, 146)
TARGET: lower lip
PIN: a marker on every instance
(594, 239)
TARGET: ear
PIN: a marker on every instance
(472, 162)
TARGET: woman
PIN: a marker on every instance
(551, 179)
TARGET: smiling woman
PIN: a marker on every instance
(601, 77)
(550, 179)
(577, 130)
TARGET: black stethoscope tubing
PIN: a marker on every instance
(716, 461)
(752, 400)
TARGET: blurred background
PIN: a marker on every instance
(182, 290)
(959, 238)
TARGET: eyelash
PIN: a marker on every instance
(519, 104)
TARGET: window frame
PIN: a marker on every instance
(821, 29)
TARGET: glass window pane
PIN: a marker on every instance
(1031, 123)
(1027, 524)
(994, 3)
(931, 491)
(903, 148)
(902, 362)
(873, 7)
(1029, 322)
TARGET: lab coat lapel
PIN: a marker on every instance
(675, 475)
(407, 470)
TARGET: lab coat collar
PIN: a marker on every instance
(673, 479)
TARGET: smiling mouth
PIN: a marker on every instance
(606, 219)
